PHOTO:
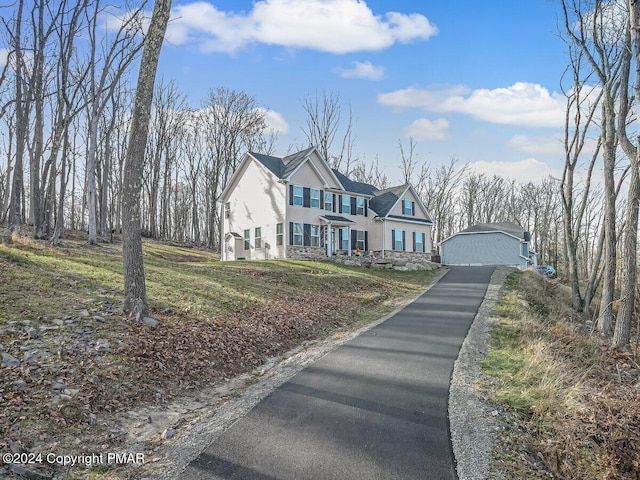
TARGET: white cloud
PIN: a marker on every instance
(425, 129)
(365, 70)
(538, 144)
(275, 121)
(335, 26)
(529, 169)
(525, 104)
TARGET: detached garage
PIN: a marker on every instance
(489, 244)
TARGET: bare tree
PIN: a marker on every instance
(135, 292)
(582, 105)
(21, 107)
(591, 26)
(231, 119)
(106, 70)
(628, 286)
(370, 173)
(324, 121)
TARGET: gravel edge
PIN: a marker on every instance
(473, 426)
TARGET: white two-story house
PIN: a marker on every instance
(298, 207)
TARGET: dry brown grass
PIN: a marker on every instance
(573, 404)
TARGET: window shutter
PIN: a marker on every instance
(334, 202)
(393, 239)
(404, 240)
(291, 233)
(366, 240)
(306, 197)
(321, 199)
(306, 228)
(414, 241)
(339, 203)
(366, 207)
(339, 239)
(424, 242)
(354, 239)
(322, 230)
(413, 208)
(290, 194)
(353, 206)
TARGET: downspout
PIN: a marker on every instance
(383, 236)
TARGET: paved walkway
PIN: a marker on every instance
(375, 408)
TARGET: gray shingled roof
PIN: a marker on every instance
(292, 161)
(336, 218)
(507, 227)
(384, 200)
(355, 187)
(275, 164)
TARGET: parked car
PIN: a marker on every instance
(547, 271)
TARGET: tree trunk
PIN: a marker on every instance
(622, 330)
(135, 294)
(628, 286)
(606, 317)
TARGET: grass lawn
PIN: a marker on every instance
(572, 406)
(80, 358)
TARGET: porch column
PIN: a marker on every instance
(349, 235)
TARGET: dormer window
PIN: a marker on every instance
(408, 208)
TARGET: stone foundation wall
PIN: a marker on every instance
(416, 257)
(306, 253)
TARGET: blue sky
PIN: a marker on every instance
(475, 80)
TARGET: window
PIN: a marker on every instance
(258, 237)
(279, 234)
(314, 233)
(328, 201)
(407, 207)
(298, 234)
(297, 195)
(398, 240)
(346, 204)
(419, 242)
(227, 210)
(345, 238)
(315, 198)
(360, 206)
(360, 240)
(247, 239)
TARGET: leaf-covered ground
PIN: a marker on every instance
(571, 404)
(70, 357)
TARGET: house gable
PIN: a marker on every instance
(390, 204)
(297, 168)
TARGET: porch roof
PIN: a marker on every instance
(336, 220)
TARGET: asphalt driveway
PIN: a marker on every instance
(375, 408)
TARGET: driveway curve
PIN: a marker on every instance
(375, 408)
